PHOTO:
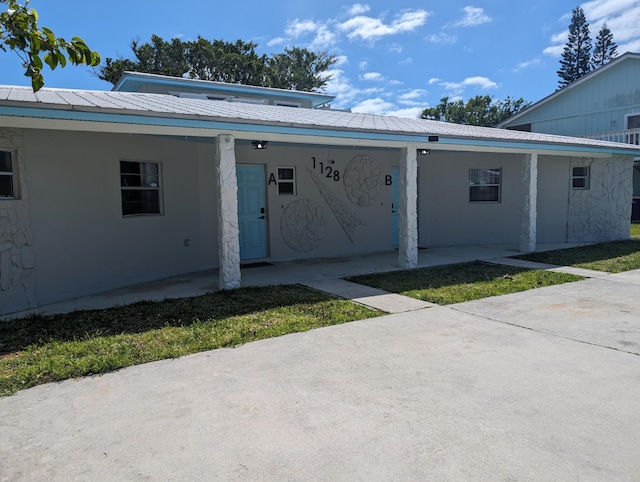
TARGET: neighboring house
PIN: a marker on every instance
(100, 190)
(604, 104)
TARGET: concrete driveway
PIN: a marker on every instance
(543, 385)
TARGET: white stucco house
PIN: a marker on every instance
(162, 176)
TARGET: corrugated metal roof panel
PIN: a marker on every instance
(167, 106)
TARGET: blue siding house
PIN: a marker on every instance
(603, 105)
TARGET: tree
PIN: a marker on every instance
(605, 49)
(299, 69)
(232, 62)
(480, 110)
(576, 57)
(37, 45)
(220, 61)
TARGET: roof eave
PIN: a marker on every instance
(183, 125)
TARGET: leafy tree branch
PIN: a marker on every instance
(37, 45)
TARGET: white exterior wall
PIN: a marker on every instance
(446, 217)
(348, 213)
(82, 244)
(66, 236)
(602, 212)
(17, 263)
(553, 199)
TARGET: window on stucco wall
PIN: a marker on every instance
(286, 181)
(7, 184)
(580, 177)
(140, 186)
(485, 185)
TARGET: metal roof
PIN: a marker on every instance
(133, 81)
(169, 114)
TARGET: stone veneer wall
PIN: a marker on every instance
(17, 281)
(602, 212)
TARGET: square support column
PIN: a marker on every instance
(408, 239)
(227, 213)
(530, 203)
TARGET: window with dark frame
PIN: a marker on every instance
(140, 186)
(286, 181)
(485, 185)
(580, 177)
(7, 188)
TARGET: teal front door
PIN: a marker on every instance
(252, 222)
(395, 206)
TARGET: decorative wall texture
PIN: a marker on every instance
(603, 211)
(17, 261)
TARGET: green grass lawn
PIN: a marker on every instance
(43, 349)
(613, 257)
(635, 230)
(462, 282)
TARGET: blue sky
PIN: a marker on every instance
(394, 59)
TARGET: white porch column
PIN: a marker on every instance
(408, 239)
(530, 203)
(227, 213)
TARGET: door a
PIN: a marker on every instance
(395, 206)
(252, 222)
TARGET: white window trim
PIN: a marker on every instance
(586, 177)
(287, 181)
(143, 188)
(12, 175)
(627, 116)
(498, 185)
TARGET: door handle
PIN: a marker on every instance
(261, 217)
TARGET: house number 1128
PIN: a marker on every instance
(327, 171)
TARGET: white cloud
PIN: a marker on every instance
(372, 76)
(363, 65)
(277, 41)
(434, 80)
(458, 88)
(473, 16)
(413, 98)
(554, 50)
(442, 38)
(296, 28)
(324, 38)
(372, 29)
(358, 9)
(408, 60)
(411, 112)
(482, 82)
(599, 9)
(341, 60)
(527, 64)
(373, 106)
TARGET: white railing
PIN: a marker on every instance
(629, 136)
